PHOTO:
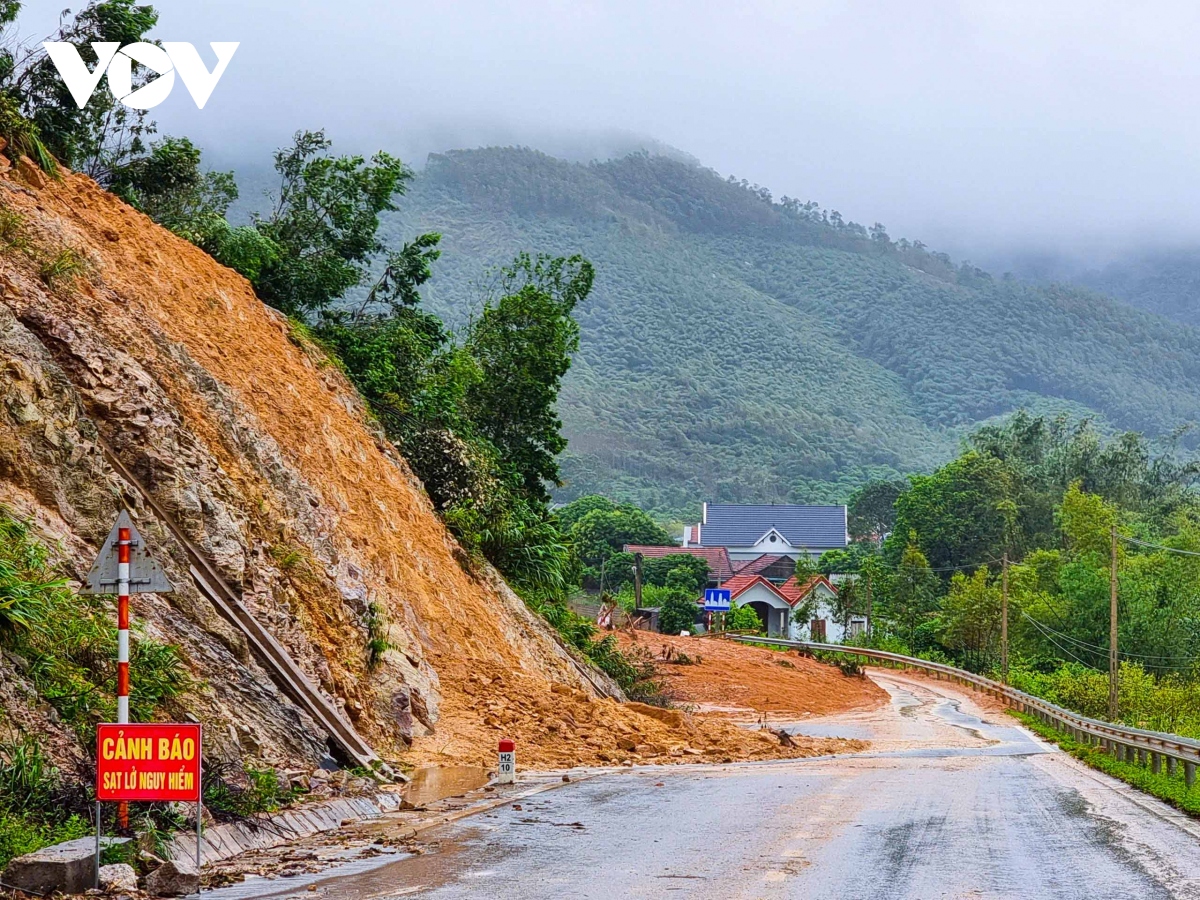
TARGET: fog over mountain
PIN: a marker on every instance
(991, 131)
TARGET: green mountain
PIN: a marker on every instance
(1164, 282)
(739, 348)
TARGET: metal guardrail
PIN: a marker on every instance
(1129, 744)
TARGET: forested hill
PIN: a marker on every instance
(1164, 282)
(740, 348)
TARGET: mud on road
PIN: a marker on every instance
(952, 800)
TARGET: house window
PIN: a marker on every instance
(816, 630)
(771, 539)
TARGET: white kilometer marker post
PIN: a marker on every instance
(506, 772)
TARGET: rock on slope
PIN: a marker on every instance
(159, 376)
(257, 448)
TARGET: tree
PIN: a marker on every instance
(848, 602)
(678, 613)
(913, 591)
(848, 561)
(105, 135)
(601, 533)
(324, 221)
(743, 618)
(677, 569)
(870, 511)
(572, 512)
(522, 343)
(960, 513)
(970, 617)
(167, 184)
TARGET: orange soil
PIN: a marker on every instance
(743, 682)
(160, 299)
(564, 727)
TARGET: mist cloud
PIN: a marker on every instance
(978, 128)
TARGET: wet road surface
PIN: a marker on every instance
(952, 801)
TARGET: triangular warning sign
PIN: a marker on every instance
(145, 575)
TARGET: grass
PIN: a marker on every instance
(1169, 788)
(68, 644)
(377, 643)
(57, 266)
(259, 791)
(290, 559)
(13, 233)
(22, 833)
(61, 268)
(32, 813)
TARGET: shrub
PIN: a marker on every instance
(69, 641)
(33, 813)
(678, 613)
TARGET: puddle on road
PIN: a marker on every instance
(435, 783)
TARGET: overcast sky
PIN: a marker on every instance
(975, 126)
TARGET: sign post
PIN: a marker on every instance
(506, 771)
(156, 763)
(124, 566)
(717, 599)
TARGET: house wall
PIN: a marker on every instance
(778, 612)
(834, 633)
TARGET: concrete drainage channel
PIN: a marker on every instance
(70, 867)
(372, 835)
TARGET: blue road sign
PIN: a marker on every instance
(716, 600)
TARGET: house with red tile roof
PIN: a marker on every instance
(776, 605)
(720, 568)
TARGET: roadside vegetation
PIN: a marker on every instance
(1172, 788)
(1046, 494)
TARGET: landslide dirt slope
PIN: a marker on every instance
(260, 451)
(741, 682)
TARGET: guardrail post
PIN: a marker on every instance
(1141, 756)
(1170, 766)
(1130, 754)
(1155, 762)
(1189, 773)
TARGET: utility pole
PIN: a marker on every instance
(1004, 619)
(870, 605)
(637, 580)
(1113, 701)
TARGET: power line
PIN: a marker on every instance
(1060, 647)
(1150, 546)
(958, 568)
(1186, 662)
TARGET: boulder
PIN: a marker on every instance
(67, 868)
(174, 878)
(119, 878)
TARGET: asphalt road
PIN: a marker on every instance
(952, 801)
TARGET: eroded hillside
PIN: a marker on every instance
(155, 379)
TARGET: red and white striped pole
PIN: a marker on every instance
(123, 543)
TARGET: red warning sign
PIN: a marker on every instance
(148, 762)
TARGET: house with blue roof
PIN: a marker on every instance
(748, 532)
